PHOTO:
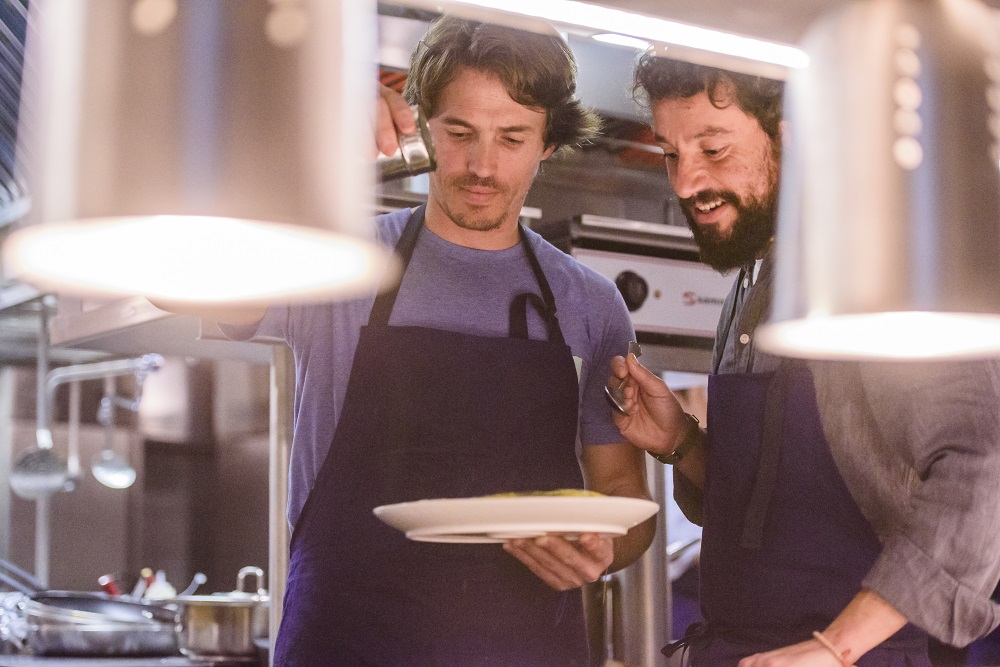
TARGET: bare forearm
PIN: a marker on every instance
(619, 470)
(866, 622)
(630, 546)
(692, 465)
(237, 316)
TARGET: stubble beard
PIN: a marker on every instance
(751, 233)
(473, 221)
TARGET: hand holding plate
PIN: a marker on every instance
(561, 563)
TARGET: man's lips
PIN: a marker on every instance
(478, 193)
(707, 211)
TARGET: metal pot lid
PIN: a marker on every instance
(224, 599)
(93, 608)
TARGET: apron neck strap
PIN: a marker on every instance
(386, 298)
(546, 305)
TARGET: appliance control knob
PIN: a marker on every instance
(634, 289)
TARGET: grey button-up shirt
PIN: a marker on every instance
(918, 446)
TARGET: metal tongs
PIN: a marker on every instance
(616, 395)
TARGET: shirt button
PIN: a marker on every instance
(746, 283)
(744, 338)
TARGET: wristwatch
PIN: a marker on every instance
(693, 436)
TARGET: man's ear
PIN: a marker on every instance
(785, 137)
(549, 151)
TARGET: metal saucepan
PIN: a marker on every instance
(224, 625)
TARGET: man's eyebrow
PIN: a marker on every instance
(452, 120)
(712, 131)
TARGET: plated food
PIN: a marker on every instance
(555, 492)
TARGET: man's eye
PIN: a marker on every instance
(456, 134)
(670, 156)
(712, 152)
(513, 141)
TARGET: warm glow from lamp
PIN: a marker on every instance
(886, 336)
(194, 259)
(199, 152)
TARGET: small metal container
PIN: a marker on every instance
(224, 625)
(415, 154)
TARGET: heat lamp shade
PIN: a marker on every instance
(888, 241)
(157, 136)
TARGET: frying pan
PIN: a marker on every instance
(89, 624)
(80, 607)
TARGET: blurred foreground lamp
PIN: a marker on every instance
(889, 223)
(194, 152)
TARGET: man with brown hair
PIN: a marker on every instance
(481, 372)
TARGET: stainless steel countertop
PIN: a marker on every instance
(34, 661)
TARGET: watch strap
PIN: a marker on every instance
(692, 437)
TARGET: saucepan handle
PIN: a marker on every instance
(16, 578)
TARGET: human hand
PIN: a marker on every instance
(564, 564)
(393, 115)
(805, 654)
(655, 420)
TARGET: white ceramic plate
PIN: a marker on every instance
(500, 519)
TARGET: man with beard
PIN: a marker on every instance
(481, 372)
(849, 509)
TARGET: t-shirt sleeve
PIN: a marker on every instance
(612, 331)
(274, 326)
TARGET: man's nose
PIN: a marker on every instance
(687, 176)
(482, 158)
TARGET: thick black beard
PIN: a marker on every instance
(751, 233)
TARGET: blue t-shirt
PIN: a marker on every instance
(454, 288)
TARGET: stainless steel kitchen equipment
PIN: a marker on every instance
(40, 472)
(90, 624)
(108, 467)
(614, 393)
(414, 156)
(225, 625)
(28, 485)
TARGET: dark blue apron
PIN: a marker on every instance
(784, 547)
(431, 414)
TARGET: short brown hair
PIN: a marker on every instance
(538, 71)
(658, 78)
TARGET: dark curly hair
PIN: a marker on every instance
(537, 70)
(658, 78)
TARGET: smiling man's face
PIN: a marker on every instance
(724, 169)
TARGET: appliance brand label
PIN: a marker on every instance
(690, 298)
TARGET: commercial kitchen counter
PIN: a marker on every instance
(33, 661)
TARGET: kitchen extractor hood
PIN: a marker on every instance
(133, 326)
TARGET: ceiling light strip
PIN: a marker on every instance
(607, 19)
